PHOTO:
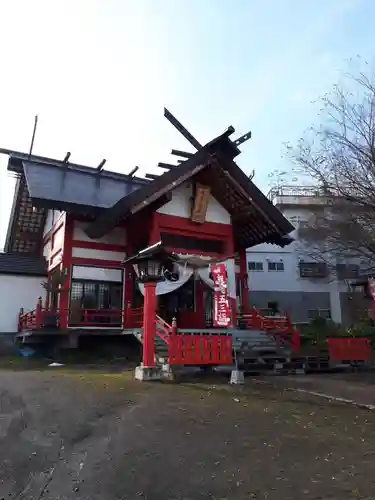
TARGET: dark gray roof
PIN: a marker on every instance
(16, 263)
(68, 186)
(73, 187)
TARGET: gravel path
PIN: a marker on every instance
(90, 435)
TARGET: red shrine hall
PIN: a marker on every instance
(88, 223)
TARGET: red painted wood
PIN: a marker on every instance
(279, 328)
(56, 224)
(349, 349)
(99, 246)
(66, 264)
(95, 317)
(182, 225)
(243, 276)
(149, 324)
(200, 350)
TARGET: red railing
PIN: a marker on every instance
(42, 317)
(27, 321)
(94, 317)
(349, 349)
(163, 329)
(279, 327)
(133, 317)
(200, 350)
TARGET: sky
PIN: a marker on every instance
(99, 72)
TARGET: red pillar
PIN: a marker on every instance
(244, 281)
(149, 314)
(66, 266)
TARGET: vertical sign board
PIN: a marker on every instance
(221, 316)
(200, 204)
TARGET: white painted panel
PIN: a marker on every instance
(180, 206)
(49, 222)
(16, 292)
(217, 213)
(47, 250)
(97, 273)
(58, 239)
(115, 237)
(56, 259)
(91, 253)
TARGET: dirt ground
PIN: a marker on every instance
(97, 435)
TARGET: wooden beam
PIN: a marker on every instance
(66, 158)
(101, 165)
(152, 176)
(193, 141)
(183, 154)
(132, 172)
(166, 166)
(243, 139)
(28, 236)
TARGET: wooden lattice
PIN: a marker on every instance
(28, 223)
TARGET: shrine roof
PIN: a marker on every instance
(16, 263)
(44, 183)
(255, 219)
(110, 197)
(61, 185)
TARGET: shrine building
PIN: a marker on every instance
(79, 225)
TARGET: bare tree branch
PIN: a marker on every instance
(339, 157)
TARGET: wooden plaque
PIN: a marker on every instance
(200, 203)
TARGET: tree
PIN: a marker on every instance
(339, 158)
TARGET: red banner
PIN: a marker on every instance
(222, 317)
(371, 283)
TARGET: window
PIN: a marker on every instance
(276, 266)
(255, 266)
(347, 271)
(89, 298)
(319, 313)
(313, 270)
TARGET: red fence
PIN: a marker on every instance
(349, 349)
(94, 317)
(200, 350)
(79, 317)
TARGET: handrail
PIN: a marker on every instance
(282, 327)
(159, 318)
(164, 335)
(89, 317)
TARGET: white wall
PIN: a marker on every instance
(181, 203)
(92, 253)
(49, 222)
(52, 216)
(97, 273)
(16, 292)
(115, 237)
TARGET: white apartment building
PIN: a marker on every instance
(298, 284)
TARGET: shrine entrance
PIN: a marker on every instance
(191, 305)
(180, 302)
